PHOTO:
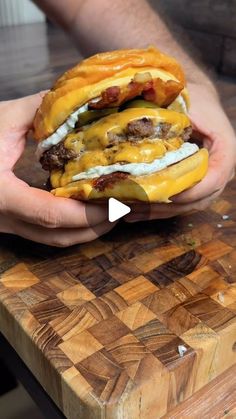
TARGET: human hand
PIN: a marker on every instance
(212, 125)
(33, 213)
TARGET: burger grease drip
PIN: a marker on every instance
(141, 169)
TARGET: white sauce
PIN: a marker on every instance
(141, 169)
(181, 102)
(61, 132)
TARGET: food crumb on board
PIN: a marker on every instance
(219, 225)
(225, 217)
(190, 225)
(221, 297)
(182, 349)
(191, 243)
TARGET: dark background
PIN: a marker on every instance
(211, 26)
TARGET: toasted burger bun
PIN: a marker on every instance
(157, 187)
(92, 76)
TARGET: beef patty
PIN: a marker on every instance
(57, 156)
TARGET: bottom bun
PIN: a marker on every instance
(157, 187)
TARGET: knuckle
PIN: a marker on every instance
(222, 183)
(61, 242)
(67, 240)
(48, 217)
(202, 205)
(224, 176)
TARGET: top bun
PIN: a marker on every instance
(89, 78)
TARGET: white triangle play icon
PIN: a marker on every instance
(116, 209)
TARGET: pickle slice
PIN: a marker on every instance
(92, 115)
(140, 103)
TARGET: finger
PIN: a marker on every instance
(60, 237)
(18, 114)
(198, 126)
(5, 224)
(145, 210)
(221, 162)
(162, 211)
(156, 214)
(42, 208)
(152, 211)
(220, 170)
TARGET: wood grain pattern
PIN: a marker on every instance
(100, 324)
(222, 390)
(110, 341)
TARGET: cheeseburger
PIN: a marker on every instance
(116, 124)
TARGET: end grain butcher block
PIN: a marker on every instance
(130, 325)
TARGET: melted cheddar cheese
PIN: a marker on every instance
(91, 143)
(75, 142)
(96, 135)
(157, 187)
(142, 152)
(64, 105)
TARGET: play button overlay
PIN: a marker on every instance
(116, 209)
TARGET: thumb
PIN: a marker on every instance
(17, 115)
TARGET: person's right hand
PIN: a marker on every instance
(33, 213)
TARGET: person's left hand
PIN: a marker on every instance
(33, 213)
(209, 120)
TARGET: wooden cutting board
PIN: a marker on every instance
(102, 325)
